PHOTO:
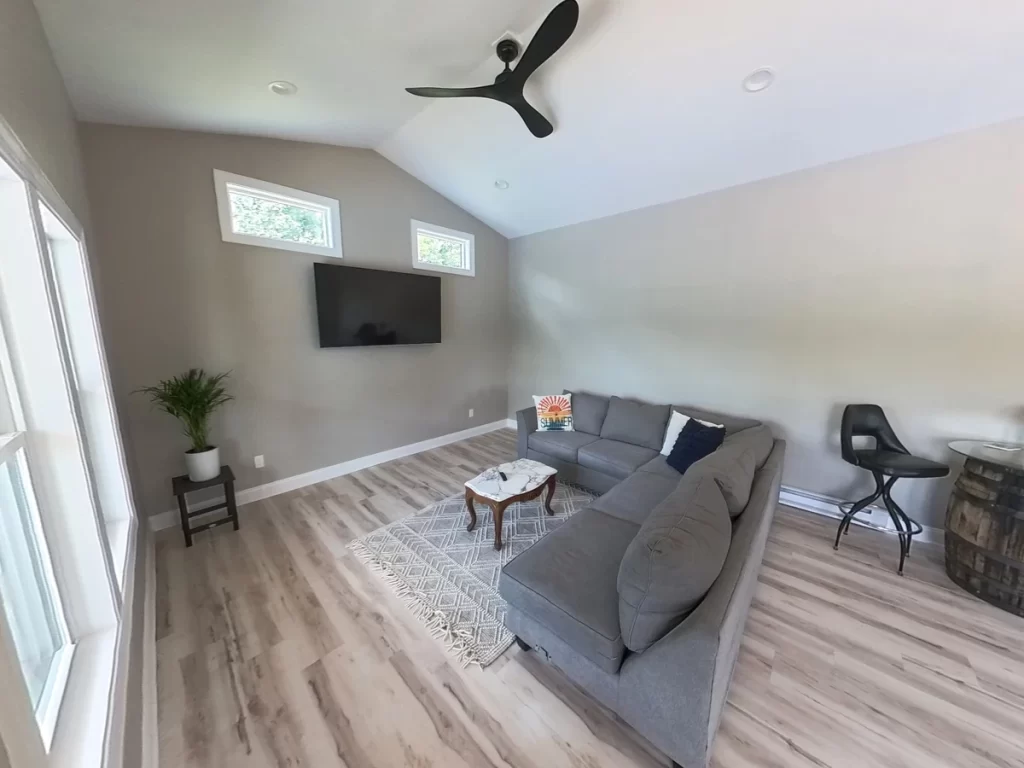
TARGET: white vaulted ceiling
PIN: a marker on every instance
(206, 64)
(645, 97)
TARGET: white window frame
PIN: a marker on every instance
(421, 227)
(89, 723)
(223, 183)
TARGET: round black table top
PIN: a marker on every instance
(1006, 454)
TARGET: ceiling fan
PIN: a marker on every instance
(508, 85)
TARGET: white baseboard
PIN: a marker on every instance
(828, 506)
(512, 424)
(170, 518)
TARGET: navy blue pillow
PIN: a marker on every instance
(695, 441)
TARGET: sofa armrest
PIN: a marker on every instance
(526, 423)
(674, 692)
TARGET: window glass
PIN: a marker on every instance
(441, 251)
(262, 216)
(30, 600)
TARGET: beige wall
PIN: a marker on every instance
(178, 296)
(34, 103)
(894, 278)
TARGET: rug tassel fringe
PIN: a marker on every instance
(460, 643)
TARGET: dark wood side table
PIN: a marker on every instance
(182, 485)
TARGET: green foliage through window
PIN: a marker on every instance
(441, 251)
(260, 217)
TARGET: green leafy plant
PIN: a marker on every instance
(191, 398)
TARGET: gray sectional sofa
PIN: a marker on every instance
(641, 598)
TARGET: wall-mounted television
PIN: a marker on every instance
(370, 307)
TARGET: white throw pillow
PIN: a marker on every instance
(675, 426)
(554, 413)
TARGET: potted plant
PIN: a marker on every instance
(192, 398)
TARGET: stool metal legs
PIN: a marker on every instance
(906, 528)
(844, 525)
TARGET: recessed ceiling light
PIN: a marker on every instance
(283, 88)
(501, 184)
(759, 79)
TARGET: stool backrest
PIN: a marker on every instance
(866, 420)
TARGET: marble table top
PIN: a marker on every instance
(524, 475)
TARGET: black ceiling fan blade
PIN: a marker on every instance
(539, 125)
(551, 35)
(484, 91)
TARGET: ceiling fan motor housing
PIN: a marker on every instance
(508, 50)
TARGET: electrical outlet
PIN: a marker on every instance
(258, 461)
(471, 413)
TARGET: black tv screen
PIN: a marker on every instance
(369, 307)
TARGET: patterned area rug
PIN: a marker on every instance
(449, 577)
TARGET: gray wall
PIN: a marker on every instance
(893, 278)
(34, 103)
(178, 296)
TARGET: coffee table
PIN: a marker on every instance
(524, 480)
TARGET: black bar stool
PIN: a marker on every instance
(888, 459)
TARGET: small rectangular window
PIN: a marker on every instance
(440, 249)
(254, 212)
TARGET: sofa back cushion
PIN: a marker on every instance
(731, 423)
(672, 562)
(588, 411)
(733, 465)
(637, 423)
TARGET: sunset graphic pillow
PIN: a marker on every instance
(554, 413)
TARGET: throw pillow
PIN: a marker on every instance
(554, 413)
(675, 426)
(695, 441)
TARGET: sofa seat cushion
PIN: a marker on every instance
(673, 560)
(614, 457)
(561, 445)
(637, 423)
(659, 466)
(636, 497)
(566, 582)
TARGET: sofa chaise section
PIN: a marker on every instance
(599, 598)
(566, 582)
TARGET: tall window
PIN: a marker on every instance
(66, 516)
(439, 249)
(254, 212)
(31, 602)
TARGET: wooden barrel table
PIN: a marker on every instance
(985, 525)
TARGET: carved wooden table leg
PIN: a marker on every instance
(472, 511)
(552, 481)
(499, 519)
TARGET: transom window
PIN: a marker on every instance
(440, 249)
(255, 212)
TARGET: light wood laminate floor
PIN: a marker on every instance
(277, 648)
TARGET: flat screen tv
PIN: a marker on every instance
(369, 307)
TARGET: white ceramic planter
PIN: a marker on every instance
(203, 466)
